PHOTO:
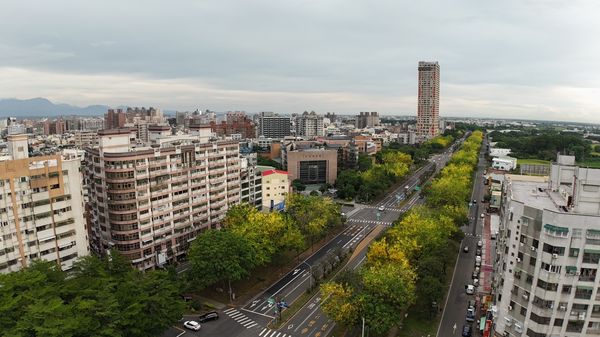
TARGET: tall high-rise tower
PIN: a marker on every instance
(428, 109)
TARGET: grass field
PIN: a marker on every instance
(590, 163)
(532, 161)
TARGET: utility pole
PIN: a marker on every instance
(363, 327)
(309, 276)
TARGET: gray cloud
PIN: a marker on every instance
(327, 55)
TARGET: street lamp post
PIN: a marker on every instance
(309, 276)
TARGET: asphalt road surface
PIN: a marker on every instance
(455, 309)
(252, 319)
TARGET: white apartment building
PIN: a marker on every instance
(549, 253)
(150, 202)
(251, 180)
(499, 152)
(41, 208)
(504, 163)
(309, 124)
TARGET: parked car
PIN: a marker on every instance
(474, 201)
(478, 263)
(482, 215)
(476, 282)
(479, 243)
(478, 259)
(209, 316)
(469, 289)
(478, 252)
(466, 249)
(467, 330)
(470, 315)
(475, 275)
(192, 325)
(471, 304)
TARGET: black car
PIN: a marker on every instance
(478, 252)
(209, 316)
(467, 330)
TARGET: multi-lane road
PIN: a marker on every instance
(363, 221)
(455, 308)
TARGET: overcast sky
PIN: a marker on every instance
(534, 59)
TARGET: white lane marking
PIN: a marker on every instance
(237, 314)
(278, 334)
(310, 314)
(243, 320)
(229, 310)
(251, 325)
(360, 262)
(262, 332)
(258, 313)
(181, 334)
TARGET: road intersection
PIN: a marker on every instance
(363, 221)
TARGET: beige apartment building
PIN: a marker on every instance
(275, 188)
(150, 202)
(41, 208)
(428, 107)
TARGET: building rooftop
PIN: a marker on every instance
(269, 172)
(535, 193)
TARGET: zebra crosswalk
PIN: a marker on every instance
(240, 318)
(370, 221)
(272, 333)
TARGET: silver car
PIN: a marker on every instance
(192, 325)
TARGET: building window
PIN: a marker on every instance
(532, 261)
(573, 252)
(554, 249)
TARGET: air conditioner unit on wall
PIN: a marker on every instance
(555, 256)
(508, 321)
(525, 297)
(518, 328)
(533, 248)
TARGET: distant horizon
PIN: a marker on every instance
(171, 112)
(523, 59)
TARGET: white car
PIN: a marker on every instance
(470, 289)
(192, 325)
(381, 208)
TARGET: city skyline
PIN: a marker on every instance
(510, 60)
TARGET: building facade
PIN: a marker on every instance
(273, 126)
(250, 180)
(428, 107)
(309, 125)
(114, 119)
(367, 120)
(275, 188)
(149, 203)
(41, 209)
(549, 254)
(313, 165)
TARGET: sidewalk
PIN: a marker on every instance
(486, 265)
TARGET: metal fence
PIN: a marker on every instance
(535, 169)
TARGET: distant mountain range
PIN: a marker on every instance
(40, 107)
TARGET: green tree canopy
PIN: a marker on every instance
(99, 297)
